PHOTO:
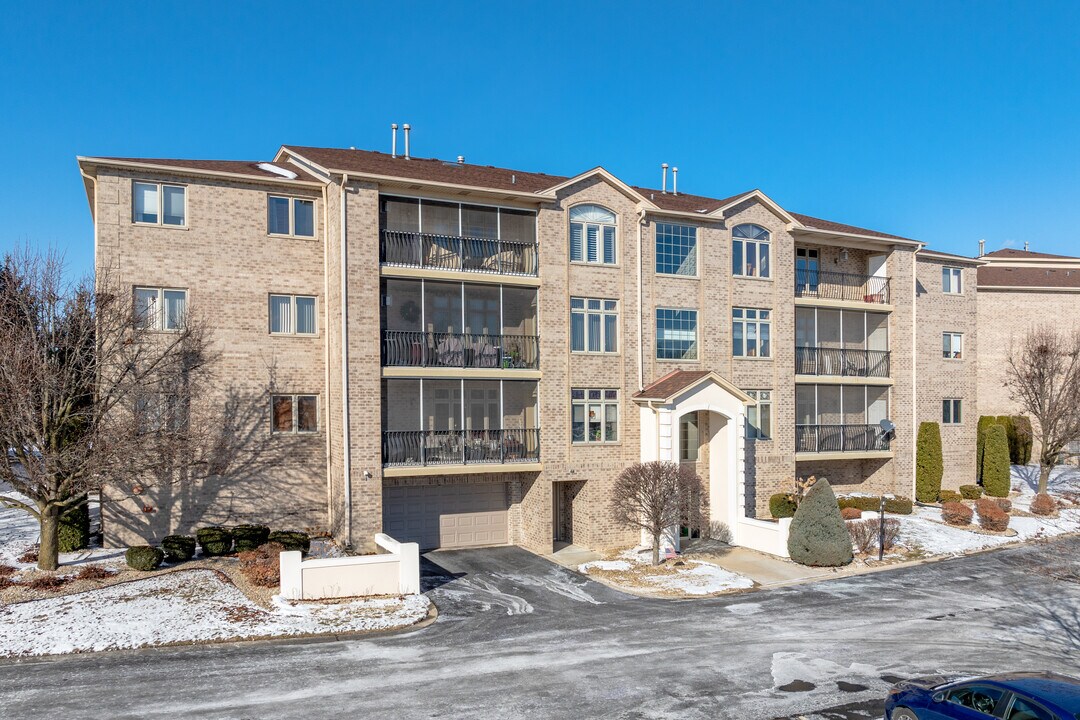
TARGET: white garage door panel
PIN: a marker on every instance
(447, 516)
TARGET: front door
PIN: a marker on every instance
(562, 511)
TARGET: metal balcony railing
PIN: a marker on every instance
(427, 349)
(460, 447)
(450, 252)
(842, 362)
(825, 285)
(840, 438)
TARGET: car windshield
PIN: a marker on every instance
(977, 697)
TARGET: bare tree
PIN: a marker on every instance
(94, 389)
(657, 496)
(1043, 376)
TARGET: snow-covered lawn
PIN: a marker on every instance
(183, 607)
(632, 569)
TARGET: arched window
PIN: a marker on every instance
(592, 234)
(750, 251)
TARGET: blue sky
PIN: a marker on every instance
(945, 122)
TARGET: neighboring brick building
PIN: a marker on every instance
(466, 355)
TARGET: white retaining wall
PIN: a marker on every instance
(393, 572)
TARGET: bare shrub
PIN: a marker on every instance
(48, 582)
(1043, 504)
(7, 570)
(93, 572)
(261, 566)
(955, 513)
(890, 535)
(851, 513)
(1004, 503)
(30, 555)
(991, 517)
(863, 535)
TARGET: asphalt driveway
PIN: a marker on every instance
(522, 638)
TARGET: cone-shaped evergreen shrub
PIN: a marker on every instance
(178, 548)
(985, 421)
(928, 463)
(819, 536)
(74, 531)
(1024, 438)
(782, 505)
(995, 467)
(1006, 421)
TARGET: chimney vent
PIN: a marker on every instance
(674, 181)
(1026, 245)
(663, 183)
(461, 159)
(406, 128)
(982, 248)
(393, 140)
(513, 179)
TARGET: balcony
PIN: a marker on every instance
(459, 350)
(842, 362)
(450, 252)
(840, 439)
(847, 287)
(412, 448)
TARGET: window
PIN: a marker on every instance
(750, 251)
(807, 270)
(160, 308)
(689, 438)
(592, 235)
(594, 415)
(950, 412)
(952, 346)
(676, 334)
(952, 280)
(293, 315)
(157, 412)
(750, 329)
(594, 325)
(980, 698)
(676, 249)
(759, 417)
(290, 216)
(295, 413)
(1023, 709)
(158, 204)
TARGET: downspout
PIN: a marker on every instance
(641, 319)
(914, 363)
(94, 211)
(346, 438)
(326, 361)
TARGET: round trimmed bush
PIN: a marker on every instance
(782, 505)
(74, 530)
(898, 506)
(291, 540)
(971, 492)
(995, 467)
(214, 541)
(178, 548)
(850, 513)
(869, 503)
(819, 536)
(144, 557)
(249, 537)
(955, 513)
(1043, 504)
(951, 496)
(991, 517)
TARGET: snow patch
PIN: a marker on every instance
(701, 579)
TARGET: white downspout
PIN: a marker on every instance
(326, 361)
(346, 437)
(94, 181)
(914, 363)
(641, 318)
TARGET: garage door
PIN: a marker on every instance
(447, 516)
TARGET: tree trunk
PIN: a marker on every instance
(49, 550)
(1044, 475)
(655, 549)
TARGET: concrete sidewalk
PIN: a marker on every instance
(764, 569)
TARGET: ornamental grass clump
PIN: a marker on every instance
(819, 536)
(991, 517)
(955, 513)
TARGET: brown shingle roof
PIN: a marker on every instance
(238, 167)
(671, 384)
(1012, 254)
(685, 203)
(991, 276)
(828, 225)
(426, 169)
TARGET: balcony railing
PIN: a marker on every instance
(840, 438)
(825, 285)
(427, 349)
(842, 362)
(460, 447)
(450, 252)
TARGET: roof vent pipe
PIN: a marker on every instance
(1026, 245)
(674, 181)
(460, 159)
(663, 184)
(393, 140)
(406, 128)
(982, 248)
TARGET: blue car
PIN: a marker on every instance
(1012, 696)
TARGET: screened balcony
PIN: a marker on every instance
(826, 285)
(455, 236)
(840, 418)
(428, 422)
(841, 343)
(840, 438)
(841, 362)
(458, 325)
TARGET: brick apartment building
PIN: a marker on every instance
(464, 355)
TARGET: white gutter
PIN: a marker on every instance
(641, 320)
(183, 170)
(346, 439)
(326, 362)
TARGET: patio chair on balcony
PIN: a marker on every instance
(450, 352)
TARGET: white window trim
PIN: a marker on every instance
(295, 414)
(292, 314)
(697, 336)
(603, 402)
(956, 274)
(656, 251)
(161, 204)
(159, 320)
(603, 326)
(293, 199)
(956, 336)
(755, 437)
(743, 241)
(953, 404)
(600, 239)
(759, 322)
